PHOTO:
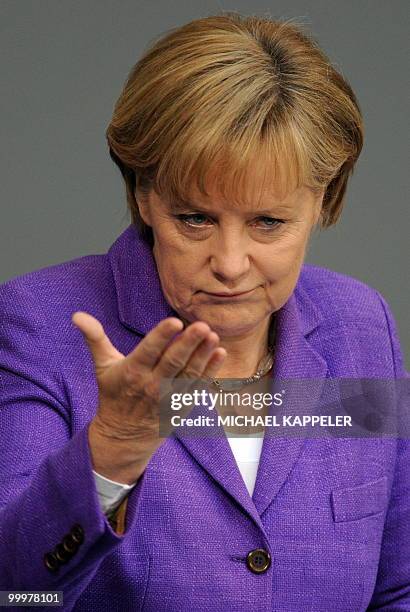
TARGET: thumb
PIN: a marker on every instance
(103, 352)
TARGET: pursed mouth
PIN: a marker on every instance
(228, 295)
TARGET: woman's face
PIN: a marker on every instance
(212, 246)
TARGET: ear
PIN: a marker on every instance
(144, 208)
(318, 207)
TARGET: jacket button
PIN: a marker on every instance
(258, 560)
(69, 544)
(51, 562)
(77, 533)
(62, 555)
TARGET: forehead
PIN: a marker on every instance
(255, 187)
(228, 183)
(251, 200)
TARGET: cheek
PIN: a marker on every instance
(285, 257)
(177, 271)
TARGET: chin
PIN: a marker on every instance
(228, 321)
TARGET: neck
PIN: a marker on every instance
(244, 352)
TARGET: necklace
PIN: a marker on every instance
(263, 368)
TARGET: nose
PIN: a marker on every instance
(230, 260)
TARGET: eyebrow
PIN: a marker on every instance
(180, 205)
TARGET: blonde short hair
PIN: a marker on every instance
(226, 90)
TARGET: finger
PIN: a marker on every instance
(215, 362)
(200, 357)
(209, 369)
(175, 358)
(103, 352)
(149, 350)
(190, 384)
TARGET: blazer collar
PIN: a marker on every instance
(141, 302)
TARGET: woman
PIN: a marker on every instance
(236, 137)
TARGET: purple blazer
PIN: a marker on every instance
(334, 514)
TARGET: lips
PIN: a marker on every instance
(229, 294)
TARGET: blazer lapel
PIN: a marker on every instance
(214, 454)
(295, 361)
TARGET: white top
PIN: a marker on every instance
(246, 451)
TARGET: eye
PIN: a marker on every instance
(196, 220)
(270, 223)
(192, 219)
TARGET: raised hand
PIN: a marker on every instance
(125, 430)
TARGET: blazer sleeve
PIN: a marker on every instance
(392, 589)
(53, 533)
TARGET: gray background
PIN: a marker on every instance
(63, 65)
